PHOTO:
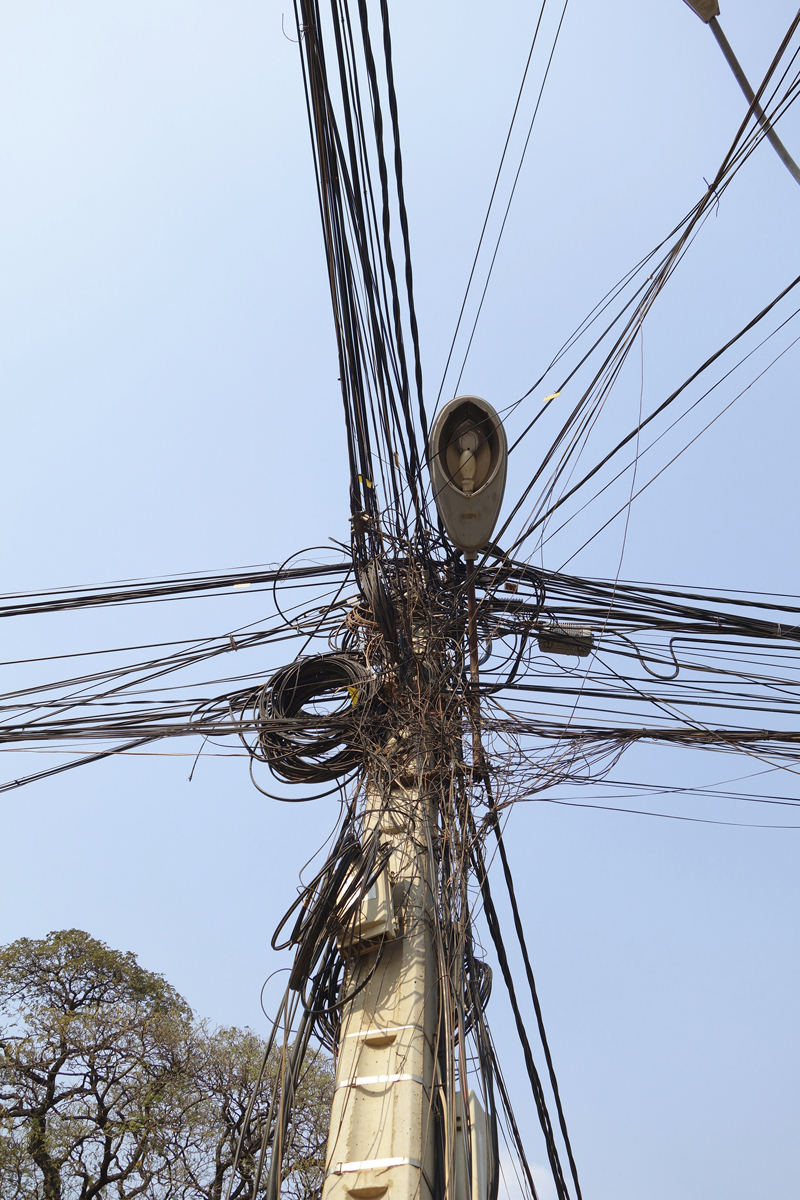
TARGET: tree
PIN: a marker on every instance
(109, 1086)
(227, 1131)
(94, 1052)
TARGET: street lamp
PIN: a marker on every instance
(468, 459)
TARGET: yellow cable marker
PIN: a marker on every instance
(552, 396)
(366, 482)
(353, 695)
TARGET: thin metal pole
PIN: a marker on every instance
(472, 624)
(761, 116)
(474, 699)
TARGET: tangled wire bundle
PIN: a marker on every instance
(310, 717)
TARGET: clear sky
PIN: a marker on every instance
(170, 403)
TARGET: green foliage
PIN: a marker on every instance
(72, 972)
(110, 1087)
(227, 1071)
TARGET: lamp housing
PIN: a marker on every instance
(468, 461)
(706, 10)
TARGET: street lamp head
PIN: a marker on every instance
(468, 458)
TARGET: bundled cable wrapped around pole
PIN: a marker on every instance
(310, 717)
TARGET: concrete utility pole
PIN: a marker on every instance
(381, 1133)
(395, 1075)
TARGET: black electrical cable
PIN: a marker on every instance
(534, 993)
(533, 1074)
(511, 197)
(491, 200)
(641, 425)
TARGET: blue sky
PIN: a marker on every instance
(169, 377)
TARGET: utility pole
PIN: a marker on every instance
(381, 1132)
(398, 1125)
